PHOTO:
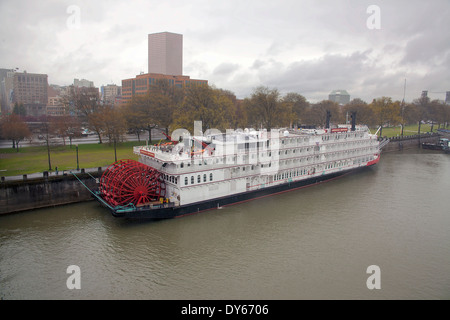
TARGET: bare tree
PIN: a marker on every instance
(66, 127)
(264, 107)
(14, 129)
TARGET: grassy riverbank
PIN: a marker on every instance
(35, 159)
(407, 131)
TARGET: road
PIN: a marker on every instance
(35, 141)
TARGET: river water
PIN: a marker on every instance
(313, 243)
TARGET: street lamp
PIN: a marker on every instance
(78, 167)
(115, 151)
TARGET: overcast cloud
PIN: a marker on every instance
(309, 47)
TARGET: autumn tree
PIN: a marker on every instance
(206, 104)
(264, 108)
(47, 130)
(298, 105)
(437, 113)
(239, 115)
(162, 108)
(422, 110)
(66, 127)
(115, 125)
(168, 89)
(14, 129)
(236, 115)
(385, 112)
(317, 113)
(85, 103)
(139, 114)
(363, 111)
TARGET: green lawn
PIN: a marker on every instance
(34, 159)
(407, 131)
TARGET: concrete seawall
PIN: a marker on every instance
(22, 195)
(410, 142)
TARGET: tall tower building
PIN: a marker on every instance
(165, 53)
(339, 96)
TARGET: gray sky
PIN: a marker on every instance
(308, 47)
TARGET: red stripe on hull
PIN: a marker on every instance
(371, 163)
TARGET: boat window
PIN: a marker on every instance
(185, 181)
(210, 177)
(204, 178)
(192, 179)
(182, 165)
(198, 179)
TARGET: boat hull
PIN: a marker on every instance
(168, 212)
(431, 146)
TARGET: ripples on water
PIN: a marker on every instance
(314, 243)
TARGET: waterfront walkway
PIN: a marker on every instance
(46, 174)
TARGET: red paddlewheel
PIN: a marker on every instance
(129, 181)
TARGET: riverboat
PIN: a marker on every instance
(194, 173)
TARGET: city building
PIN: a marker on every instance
(339, 96)
(83, 83)
(28, 89)
(55, 106)
(4, 103)
(110, 94)
(447, 97)
(165, 63)
(165, 53)
(143, 82)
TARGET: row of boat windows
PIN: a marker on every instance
(174, 180)
(262, 155)
(199, 179)
(342, 136)
(232, 160)
(337, 164)
(325, 137)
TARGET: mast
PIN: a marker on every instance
(403, 104)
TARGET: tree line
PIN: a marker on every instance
(169, 107)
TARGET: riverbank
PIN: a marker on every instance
(39, 190)
(399, 143)
(47, 191)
